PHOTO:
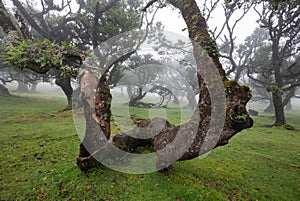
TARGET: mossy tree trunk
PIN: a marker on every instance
(277, 90)
(236, 100)
(97, 101)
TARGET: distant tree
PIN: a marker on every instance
(277, 59)
(177, 53)
(138, 77)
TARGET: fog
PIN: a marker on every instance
(42, 88)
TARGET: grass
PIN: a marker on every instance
(39, 147)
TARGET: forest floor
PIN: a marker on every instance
(39, 147)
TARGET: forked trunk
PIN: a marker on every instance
(217, 117)
(208, 127)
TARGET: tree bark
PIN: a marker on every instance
(279, 109)
(198, 30)
(277, 91)
(33, 23)
(6, 22)
(65, 83)
(238, 74)
(97, 115)
(73, 58)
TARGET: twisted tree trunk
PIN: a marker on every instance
(206, 130)
(206, 114)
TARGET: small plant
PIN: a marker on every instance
(242, 117)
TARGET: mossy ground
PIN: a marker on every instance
(39, 146)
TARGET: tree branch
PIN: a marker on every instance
(150, 3)
(30, 20)
(6, 21)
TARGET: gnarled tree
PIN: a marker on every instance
(236, 119)
(196, 137)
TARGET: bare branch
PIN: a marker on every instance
(30, 20)
(150, 3)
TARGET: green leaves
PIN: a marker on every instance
(17, 55)
(46, 54)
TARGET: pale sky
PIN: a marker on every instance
(175, 23)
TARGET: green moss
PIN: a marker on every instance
(229, 85)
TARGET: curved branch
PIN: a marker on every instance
(237, 98)
(150, 3)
